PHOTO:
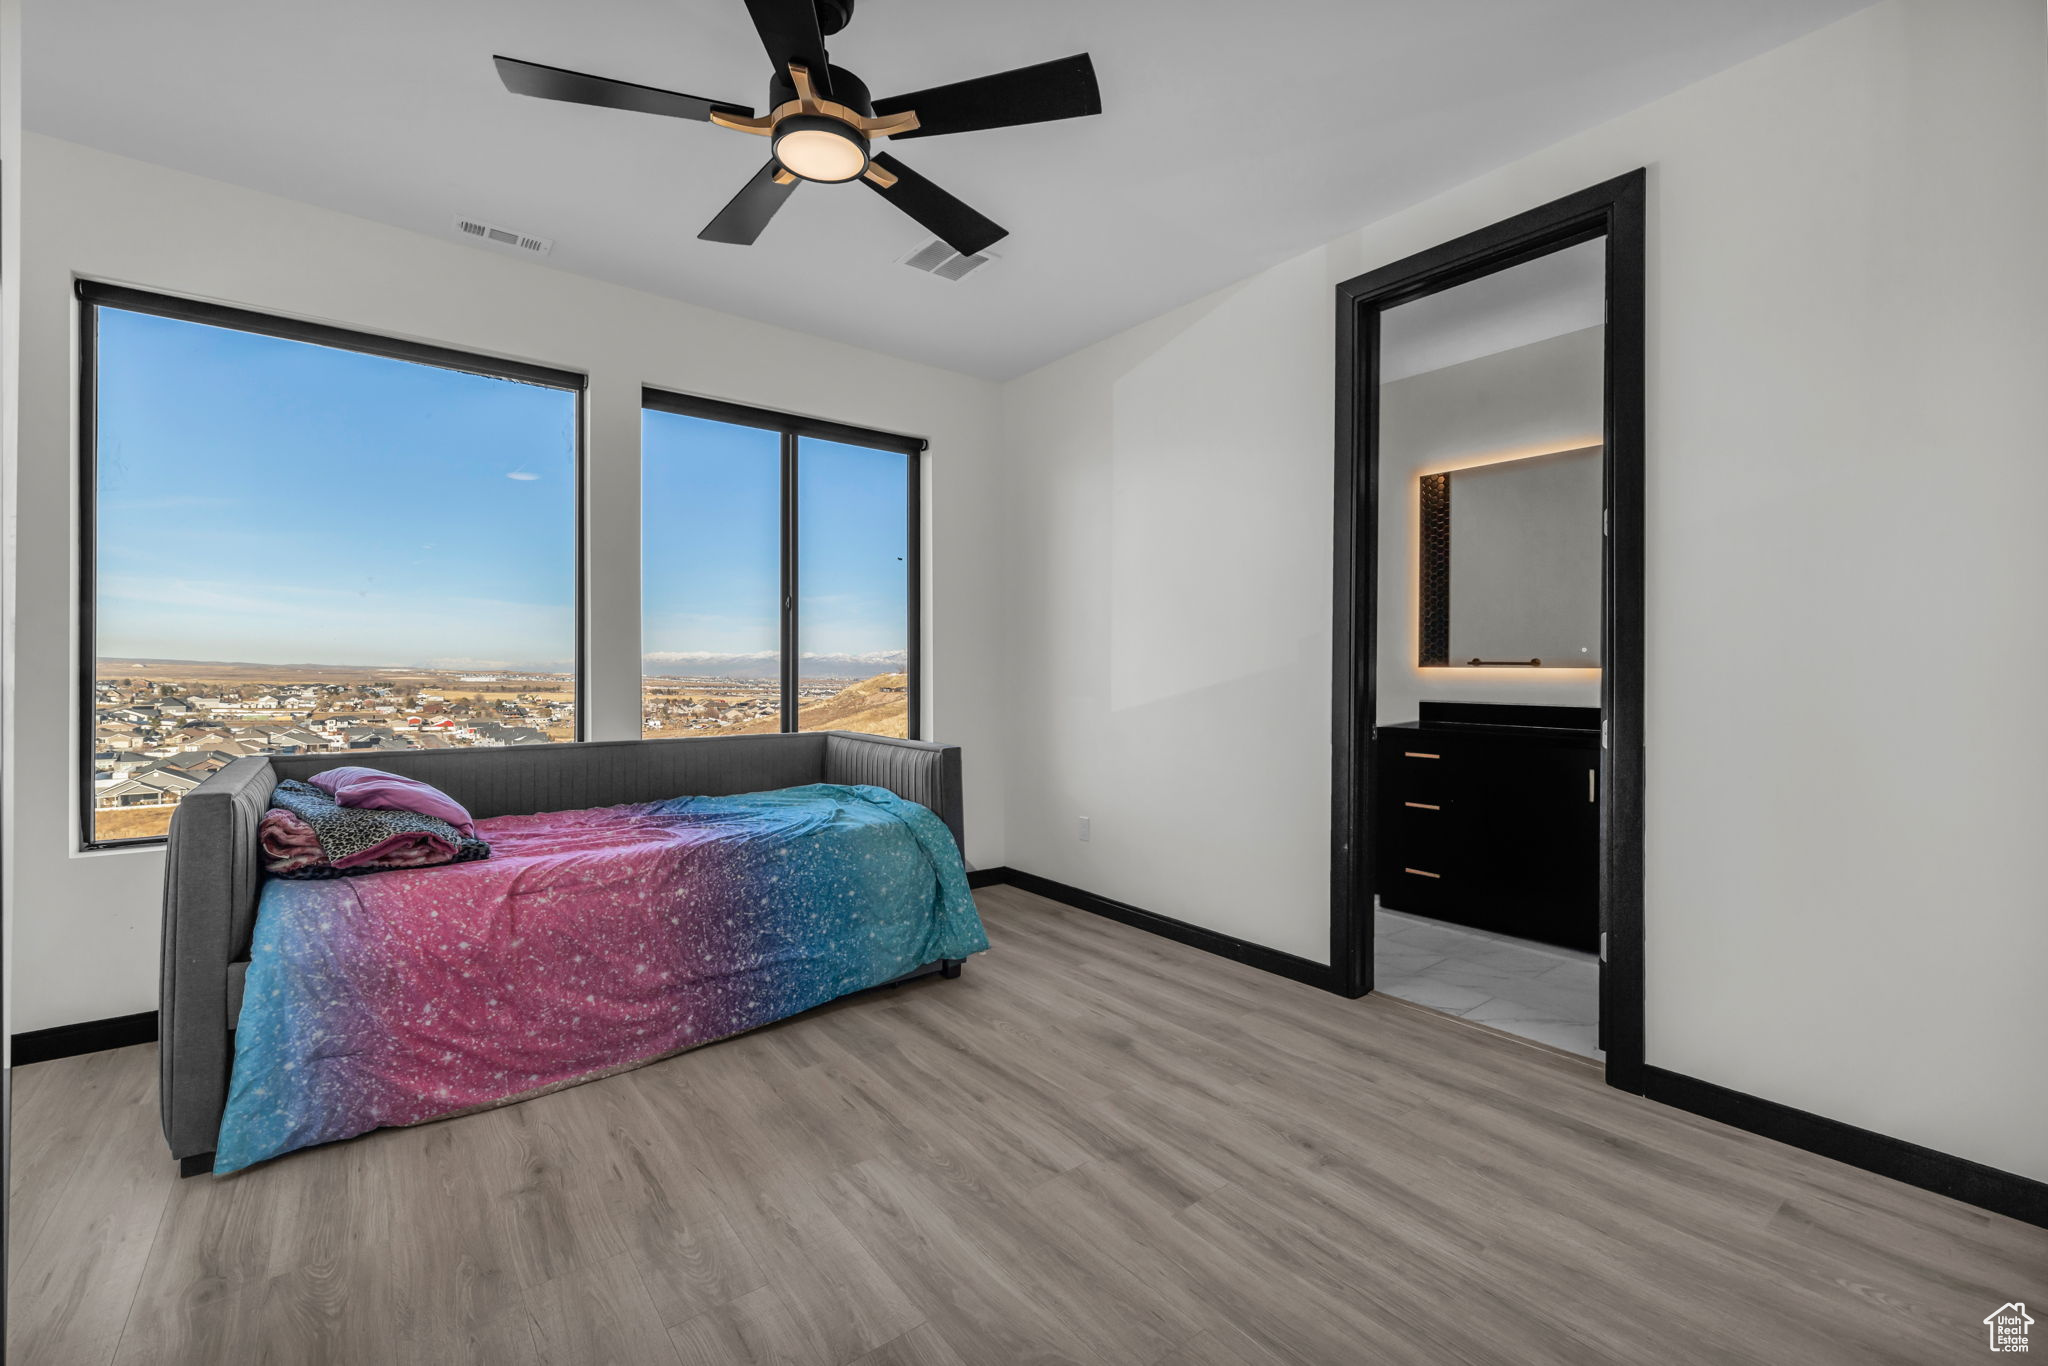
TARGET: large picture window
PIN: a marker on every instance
(301, 539)
(779, 582)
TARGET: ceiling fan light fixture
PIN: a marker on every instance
(814, 147)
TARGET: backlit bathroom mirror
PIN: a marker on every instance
(1510, 563)
(1491, 408)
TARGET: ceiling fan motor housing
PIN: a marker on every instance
(847, 89)
(820, 144)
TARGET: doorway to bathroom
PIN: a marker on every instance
(1487, 695)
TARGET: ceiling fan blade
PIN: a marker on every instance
(947, 218)
(553, 83)
(743, 217)
(1062, 89)
(789, 30)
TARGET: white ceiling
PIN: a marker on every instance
(1235, 134)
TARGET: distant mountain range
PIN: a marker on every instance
(763, 664)
(681, 664)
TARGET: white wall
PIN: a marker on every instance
(86, 923)
(1531, 400)
(10, 373)
(1848, 586)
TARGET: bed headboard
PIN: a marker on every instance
(521, 779)
(213, 874)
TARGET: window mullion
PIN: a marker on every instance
(913, 565)
(790, 658)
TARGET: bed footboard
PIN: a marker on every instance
(211, 882)
(919, 770)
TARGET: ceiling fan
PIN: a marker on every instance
(821, 123)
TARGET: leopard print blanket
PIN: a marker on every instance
(357, 840)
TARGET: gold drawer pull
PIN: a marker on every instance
(1419, 873)
(1423, 806)
(1412, 754)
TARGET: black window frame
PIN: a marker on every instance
(93, 295)
(791, 427)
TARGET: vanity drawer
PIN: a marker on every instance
(1419, 833)
(1417, 771)
(1411, 884)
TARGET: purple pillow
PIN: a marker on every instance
(373, 789)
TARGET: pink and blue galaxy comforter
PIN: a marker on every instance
(588, 942)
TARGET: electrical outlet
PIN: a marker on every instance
(1083, 831)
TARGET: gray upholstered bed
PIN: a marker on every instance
(214, 872)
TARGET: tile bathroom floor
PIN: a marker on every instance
(1538, 991)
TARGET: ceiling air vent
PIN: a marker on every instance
(936, 258)
(505, 237)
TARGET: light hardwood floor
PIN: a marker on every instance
(1095, 1147)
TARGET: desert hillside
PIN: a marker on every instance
(132, 823)
(877, 706)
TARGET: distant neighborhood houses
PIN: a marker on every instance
(711, 705)
(154, 741)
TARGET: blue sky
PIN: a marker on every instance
(278, 502)
(710, 543)
(274, 501)
(853, 517)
